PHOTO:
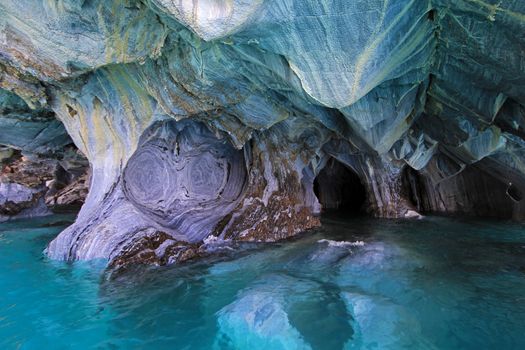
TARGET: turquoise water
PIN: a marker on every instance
(436, 283)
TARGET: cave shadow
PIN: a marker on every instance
(339, 190)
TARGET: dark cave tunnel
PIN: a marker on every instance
(339, 189)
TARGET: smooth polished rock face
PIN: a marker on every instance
(184, 178)
(31, 130)
(184, 184)
(212, 117)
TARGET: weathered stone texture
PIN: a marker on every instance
(211, 117)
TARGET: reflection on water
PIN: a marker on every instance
(436, 283)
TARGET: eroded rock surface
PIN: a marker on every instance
(185, 178)
(32, 185)
(214, 118)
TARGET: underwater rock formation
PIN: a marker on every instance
(217, 118)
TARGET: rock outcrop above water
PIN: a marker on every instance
(32, 185)
(215, 118)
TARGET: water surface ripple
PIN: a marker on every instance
(436, 283)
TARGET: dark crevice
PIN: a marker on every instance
(413, 188)
(511, 118)
(514, 193)
(340, 189)
(431, 15)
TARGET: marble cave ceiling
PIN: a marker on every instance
(247, 99)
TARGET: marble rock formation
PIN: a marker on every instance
(216, 118)
(32, 185)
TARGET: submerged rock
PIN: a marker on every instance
(244, 119)
(258, 318)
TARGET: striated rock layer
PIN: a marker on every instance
(32, 185)
(241, 119)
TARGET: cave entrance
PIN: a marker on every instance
(339, 189)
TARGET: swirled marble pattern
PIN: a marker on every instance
(213, 117)
(185, 178)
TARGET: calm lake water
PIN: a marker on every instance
(436, 283)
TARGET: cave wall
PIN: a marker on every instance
(471, 192)
(271, 90)
(41, 171)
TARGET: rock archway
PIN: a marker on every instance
(339, 188)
